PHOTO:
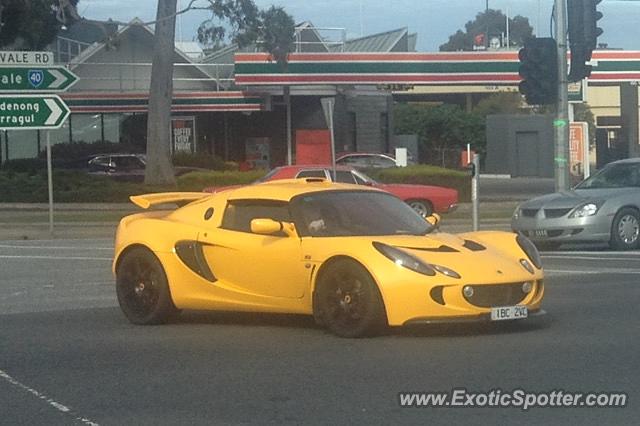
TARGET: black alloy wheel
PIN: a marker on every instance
(348, 302)
(142, 288)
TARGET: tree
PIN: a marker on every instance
(159, 169)
(493, 23)
(509, 102)
(440, 128)
(241, 18)
(33, 24)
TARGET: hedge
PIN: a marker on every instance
(75, 186)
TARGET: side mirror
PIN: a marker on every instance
(434, 219)
(271, 227)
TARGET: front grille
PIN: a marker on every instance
(529, 212)
(554, 232)
(554, 213)
(489, 296)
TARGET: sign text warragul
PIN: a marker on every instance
(32, 112)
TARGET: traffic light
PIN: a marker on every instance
(539, 71)
(583, 16)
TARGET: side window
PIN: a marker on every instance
(319, 173)
(344, 176)
(239, 214)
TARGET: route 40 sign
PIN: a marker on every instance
(23, 79)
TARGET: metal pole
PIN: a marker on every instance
(561, 123)
(333, 147)
(475, 203)
(50, 182)
(287, 101)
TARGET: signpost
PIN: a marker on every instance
(32, 112)
(24, 75)
(35, 79)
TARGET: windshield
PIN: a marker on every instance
(267, 176)
(619, 175)
(355, 213)
(363, 179)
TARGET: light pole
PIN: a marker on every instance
(561, 122)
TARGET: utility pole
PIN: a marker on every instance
(561, 122)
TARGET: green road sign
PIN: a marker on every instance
(35, 78)
(32, 112)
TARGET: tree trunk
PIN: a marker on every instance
(159, 170)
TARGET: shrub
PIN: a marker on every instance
(205, 161)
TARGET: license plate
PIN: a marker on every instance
(508, 313)
(540, 233)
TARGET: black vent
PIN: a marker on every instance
(489, 296)
(554, 213)
(473, 246)
(190, 252)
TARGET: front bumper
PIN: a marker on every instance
(482, 318)
(564, 229)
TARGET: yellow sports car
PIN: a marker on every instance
(357, 259)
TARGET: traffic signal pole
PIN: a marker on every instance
(561, 122)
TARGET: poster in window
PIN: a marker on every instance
(183, 134)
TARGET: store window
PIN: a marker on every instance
(86, 128)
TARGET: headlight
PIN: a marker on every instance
(530, 250)
(409, 261)
(588, 209)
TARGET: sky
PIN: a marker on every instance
(433, 20)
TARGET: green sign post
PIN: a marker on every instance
(32, 112)
(35, 79)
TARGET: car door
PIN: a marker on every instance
(264, 265)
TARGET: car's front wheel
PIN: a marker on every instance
(142, 288)
(347, 300)
(625, 229)
(423, 207)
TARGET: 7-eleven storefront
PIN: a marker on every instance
(202, 122)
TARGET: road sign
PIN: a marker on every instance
(26, 58)
(35, 79)
(32, 112)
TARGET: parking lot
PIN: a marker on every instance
(70, 357)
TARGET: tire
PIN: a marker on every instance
(625, 229)
(142, 288)
(423, 207)
(348, 302)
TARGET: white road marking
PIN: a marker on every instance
(53, 403)
(4, 256)
(54, 247)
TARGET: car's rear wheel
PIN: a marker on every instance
(625, 229)
(142, 288)
(348, 302)
(423, 207)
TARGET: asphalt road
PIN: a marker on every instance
(68, 356)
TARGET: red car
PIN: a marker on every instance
(424, 199)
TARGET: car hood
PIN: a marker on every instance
(575, 197)
(477, 254)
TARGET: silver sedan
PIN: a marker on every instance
(603, 208)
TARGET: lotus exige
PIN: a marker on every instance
(355, 258)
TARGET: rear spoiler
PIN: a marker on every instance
(147, 200)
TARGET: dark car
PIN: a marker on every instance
(120, 166)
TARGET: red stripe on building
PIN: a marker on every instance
(373, 79)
